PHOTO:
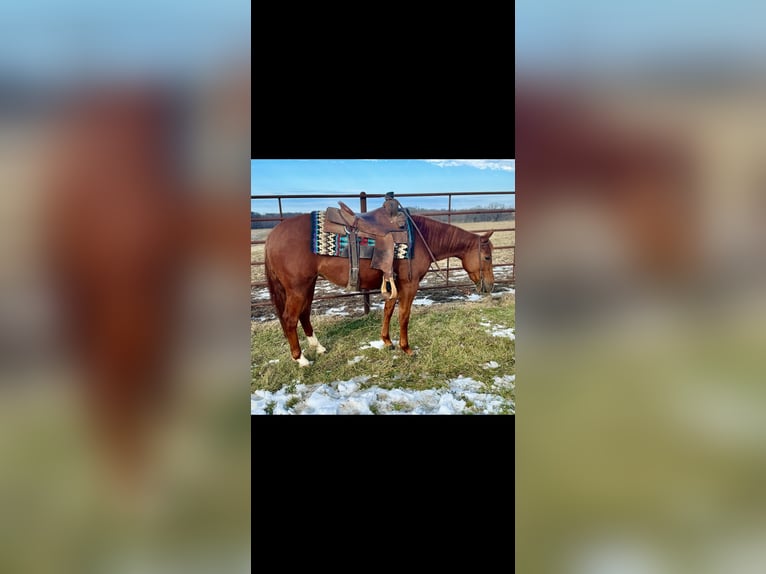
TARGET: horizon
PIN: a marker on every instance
(352, 177)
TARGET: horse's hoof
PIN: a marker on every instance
(409, 351)
(315, 344)
(302, 361)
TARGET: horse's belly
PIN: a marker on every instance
(335, 270)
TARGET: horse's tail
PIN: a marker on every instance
(276, 289)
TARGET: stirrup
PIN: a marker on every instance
(394, 293)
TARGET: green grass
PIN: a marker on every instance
(448, 340)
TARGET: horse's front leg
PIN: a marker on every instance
(388, 312)
(405, 305)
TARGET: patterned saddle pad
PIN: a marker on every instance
(334, 244)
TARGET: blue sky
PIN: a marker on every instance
(47, 40)
(567, 35)
(271, 177)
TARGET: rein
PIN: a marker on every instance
(433, 259)
(430, 253)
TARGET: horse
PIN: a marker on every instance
(121, 197)
(292, 270)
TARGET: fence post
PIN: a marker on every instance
(449, 220)
(363, 209)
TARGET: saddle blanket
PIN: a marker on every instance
(334, 244)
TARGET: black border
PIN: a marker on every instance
(391, 85)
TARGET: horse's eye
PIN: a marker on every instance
(488, 258)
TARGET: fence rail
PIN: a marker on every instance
(448, 213)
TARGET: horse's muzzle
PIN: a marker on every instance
(483, 287)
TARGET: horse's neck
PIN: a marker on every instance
(447, 240)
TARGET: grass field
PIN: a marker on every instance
(450, 340)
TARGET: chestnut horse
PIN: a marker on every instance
(292, 270)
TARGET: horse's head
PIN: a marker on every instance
(477, 261)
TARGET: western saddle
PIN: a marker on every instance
(387, 225)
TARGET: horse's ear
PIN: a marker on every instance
(487, 235)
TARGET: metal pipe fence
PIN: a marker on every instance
(449, 214)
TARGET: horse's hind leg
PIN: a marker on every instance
(313, 341)
(293, 309)
(306, 323)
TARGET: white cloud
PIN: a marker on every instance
(501, 164)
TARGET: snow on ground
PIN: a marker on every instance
(337, 311)
(461, 396)
(498, 330)
(374, 345)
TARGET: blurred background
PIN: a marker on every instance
(124, 182)
(641, 287)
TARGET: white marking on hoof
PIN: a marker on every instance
(314, 342)
(302, 361)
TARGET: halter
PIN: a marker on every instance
(481, 269)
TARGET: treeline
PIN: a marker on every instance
(474, 217)
(456, 217)
(269, 224)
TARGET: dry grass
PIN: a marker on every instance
(450, 340)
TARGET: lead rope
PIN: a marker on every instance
(481, 269)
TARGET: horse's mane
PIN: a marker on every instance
(442, 237)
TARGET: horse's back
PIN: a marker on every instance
(290, 236)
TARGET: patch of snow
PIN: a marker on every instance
(355, 360)
(496, 332)
(273, 361)
(504, 381)
(449, 405)
(373, 345)
(499, 330)
(473, 297)
(465, 384)
(337, 311)
(423, 301)
(462, 395)
(322, 401)
(490, 365)
(346, 388)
